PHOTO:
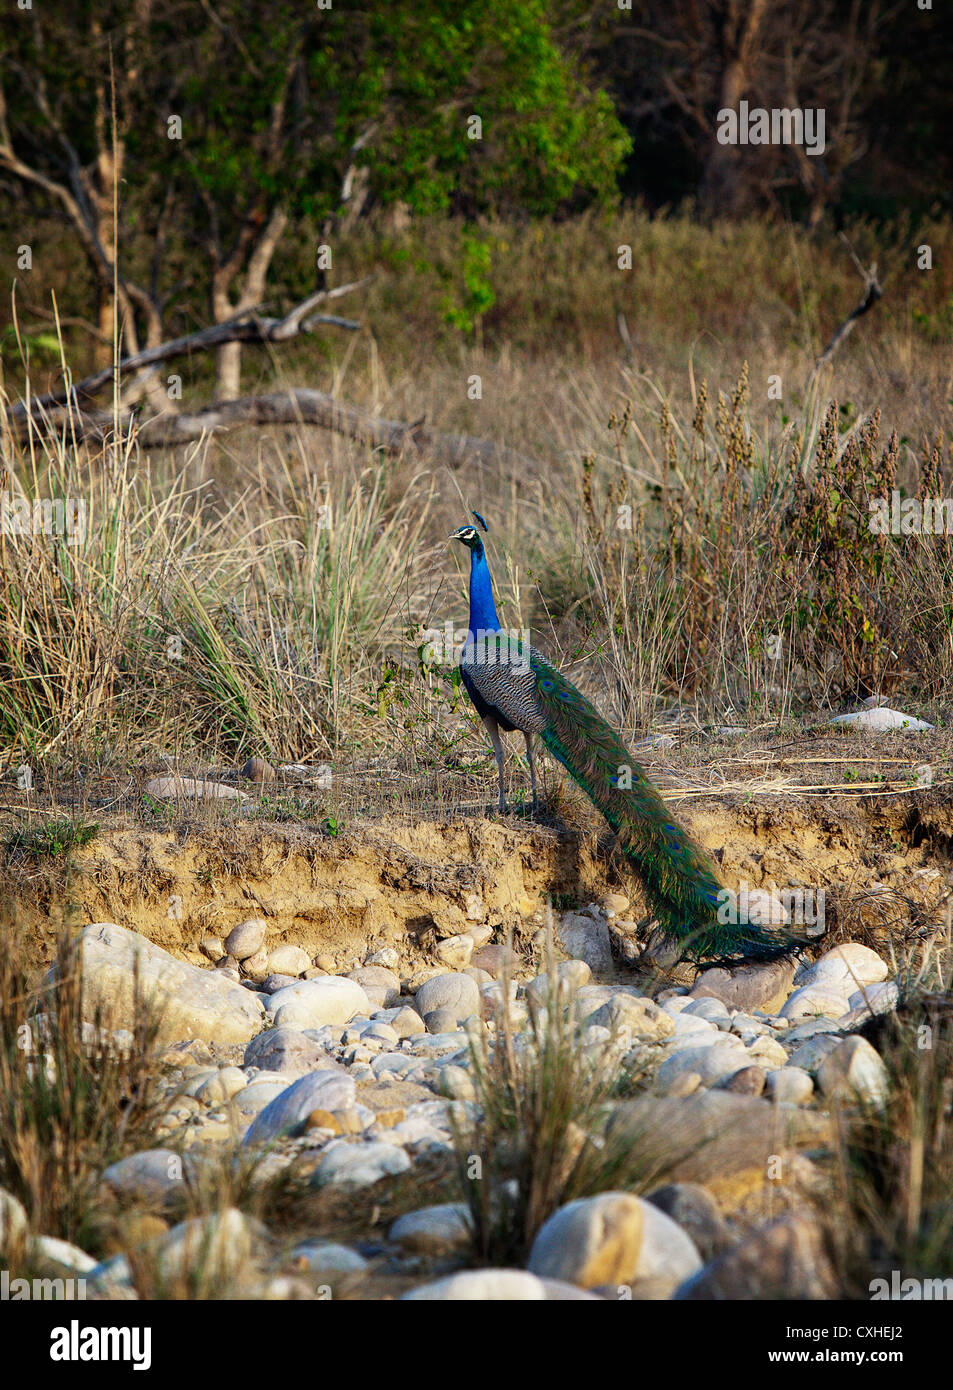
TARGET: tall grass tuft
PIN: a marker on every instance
(74, 1098)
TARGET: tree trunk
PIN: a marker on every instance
(723, 191)
(228, 358)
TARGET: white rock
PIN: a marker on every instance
(724, 1055)
(321, 1090)
(180, 788)
(455, 951)
(438, 1230)
(483, 1286)
(220, 1086)
(881, 718)
(815, 1001)
(767, 1051)
(809, 1055)
(789, 1085)
(152, 1176)
(387, 957)
(48, 1250)
(876, 999)
(13, 1220)
(193, 1003)
(457, 993)
(312, 1003)
(587, 940)
(381, 985)
(358, 1165)
(288, 960)
(218, 1245)
(259, 1094)
(854, 1070)
(246, 939)
(327, 1259)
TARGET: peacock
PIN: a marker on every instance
(515, 688)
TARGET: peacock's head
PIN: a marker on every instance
(470, 536)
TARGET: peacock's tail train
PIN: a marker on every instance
(681, 882)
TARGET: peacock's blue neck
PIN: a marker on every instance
(483, 613)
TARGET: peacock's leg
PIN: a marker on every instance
(493, 729)
(532, 769)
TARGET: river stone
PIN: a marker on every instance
(381, 985)
(747, 1081)
(286, 1051)
(322, 1090)
(571, 976)
(327, 1259)
(13, 1221)
(456, 993)
(810, 1054)
(587, 940)
(153, 1177)
(633, 1018)
(851, 961)
(386, 956)
(259, 1094)
(247, 939)
(220, 1246)
(439, 1230)
(495, 960)
(176, 788)
(714, 1135)
(789, 1085)
(288, 960)
(874, 999)
(694, 1209)
(483, 1286)
(785, 1259)
(441, 1021)
(591, 1241)
(749, 987)
(854, 1071)
(313, 1003)
(723, 1056)
(613, 1239)
(406, 1022)
(344, 1164)
(816, 1001)
(192, 1002)
(710, 1009)
(455, 951)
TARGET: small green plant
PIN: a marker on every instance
(50, 840)
(466, 312)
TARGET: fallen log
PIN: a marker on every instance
(296, 406)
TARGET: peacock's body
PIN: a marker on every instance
(514, 688)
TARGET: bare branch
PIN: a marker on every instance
(245, 327)
(299, 406)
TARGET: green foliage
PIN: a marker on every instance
(479, 295)
(50, 839)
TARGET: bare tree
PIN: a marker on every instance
(45, 155)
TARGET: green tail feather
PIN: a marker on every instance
(681, 882)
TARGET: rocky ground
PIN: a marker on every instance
(355, 1079)
(331, 1008)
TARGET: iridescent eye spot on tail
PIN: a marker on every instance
(546, 684)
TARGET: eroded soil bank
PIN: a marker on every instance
(883, 863)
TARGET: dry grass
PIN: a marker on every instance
(73, 1098)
